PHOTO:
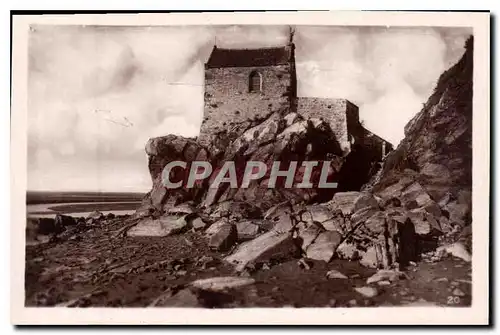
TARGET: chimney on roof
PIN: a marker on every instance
(291, 32)
(290, 47)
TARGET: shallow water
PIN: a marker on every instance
(43, 210)
(83, 214)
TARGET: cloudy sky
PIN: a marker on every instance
(96, 94)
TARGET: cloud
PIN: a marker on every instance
(388, 72)
(96, 94)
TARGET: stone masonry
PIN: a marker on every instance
(251, 84)
(340, 114)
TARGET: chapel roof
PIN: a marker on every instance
(247, 57)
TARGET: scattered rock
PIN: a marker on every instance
(343, 201)
(415, 193)
(458, 292)
(64, 220)
(324, 246)
(182, 209)
(283, 220)
(384, 283)
(270, 245)
(75, 238)
(275, 210)
(369, 258)
(307, 234)
(247, 230)
(236, 210)
(214, 228)
(206, 262)
(456, 249)
(95, 215)
(305, 264)
(365, 200)
(264, 225)
(319, 213)
(442, 279)
(422, 303)
(188, 242)
(347, 251)
(198, 224)
(183, 298)
(367, 291)
(164, 226)
(404, 292)
(224, 238)
(458, 213)
(334, 274)
(390, 275)
(222, 283)
(363, 215)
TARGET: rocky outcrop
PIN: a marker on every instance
(419, 200)
(161, 151)
(281, 137)
(432, 166)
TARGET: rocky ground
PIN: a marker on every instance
(93, 264)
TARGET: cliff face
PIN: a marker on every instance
(437, 149)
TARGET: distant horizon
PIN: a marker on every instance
(86, 191)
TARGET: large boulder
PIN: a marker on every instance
(224, 238)
(247, 230)
(161, 151)
(218, 284)
(215, 227)
(268, 246)
(324, 246)
(95, 215)
(164, 226)
(307, 233)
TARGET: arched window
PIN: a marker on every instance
(255, 82)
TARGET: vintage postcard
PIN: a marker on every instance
(257, 168)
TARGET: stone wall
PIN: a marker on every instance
(228, 100)
(352, 114)
(341, 115)
(376, 145)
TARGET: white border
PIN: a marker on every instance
(476, 314)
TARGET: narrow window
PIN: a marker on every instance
(255, 82)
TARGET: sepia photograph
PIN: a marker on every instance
(251, 162)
